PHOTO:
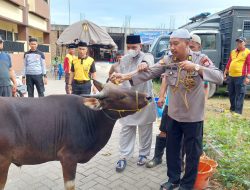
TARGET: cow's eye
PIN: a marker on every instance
(122, 97)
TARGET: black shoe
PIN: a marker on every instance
(160, 145)
(168, 186)
(154, 162)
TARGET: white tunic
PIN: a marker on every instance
(148, 114)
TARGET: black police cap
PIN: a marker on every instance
(82, 44)
(71, 46)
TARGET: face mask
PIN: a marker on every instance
(133, 53)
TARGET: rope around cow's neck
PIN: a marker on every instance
(120, 111)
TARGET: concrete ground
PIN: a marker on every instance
(99, 172)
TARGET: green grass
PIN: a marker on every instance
(230, 135)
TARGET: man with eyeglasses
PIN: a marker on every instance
(82, 71)
(7, 73)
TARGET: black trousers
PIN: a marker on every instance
(35, 80)
(163, 125)
(67, 76)
(237, 90)
(193, 134)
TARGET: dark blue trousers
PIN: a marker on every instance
(5, 91)
(193, 135)
(81, 88)
(237, 91)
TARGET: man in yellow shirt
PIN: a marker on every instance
(82, 71)
(238, 69)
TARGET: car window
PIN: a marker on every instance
(208, 41)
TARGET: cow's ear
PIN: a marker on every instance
(92, 103)
(98, 85)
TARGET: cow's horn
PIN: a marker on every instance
(98, 85)
(100, 95)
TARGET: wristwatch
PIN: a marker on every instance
(197, 67)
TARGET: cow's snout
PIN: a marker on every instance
(149, 98)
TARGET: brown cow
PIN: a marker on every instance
(68, 128)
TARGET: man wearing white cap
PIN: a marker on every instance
(185, 71)
(195, 46)
(195, 43)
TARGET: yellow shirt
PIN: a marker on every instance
(82, 68)
(238, 59)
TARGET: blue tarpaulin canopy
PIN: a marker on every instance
(147, 37)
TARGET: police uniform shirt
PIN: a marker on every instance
(195, 97)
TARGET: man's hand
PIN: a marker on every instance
(247, 81)
(161, 102)
(143, 66)
(187, 66)
(24, 81)
(14, 88)
(70, 88)
(225, 76)
(94, 89)
(117, 78)
(45, 80)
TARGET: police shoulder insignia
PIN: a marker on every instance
(205, 61)
(162, 62)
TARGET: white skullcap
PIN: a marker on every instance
(180, 33)
(196, 38)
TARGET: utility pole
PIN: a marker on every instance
(69, 10)
(126, 29)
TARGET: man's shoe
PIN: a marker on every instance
(121, 165)
(142, 160)
(168, 186)
(154, 162)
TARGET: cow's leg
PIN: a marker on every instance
(69, 172)
(4, 168)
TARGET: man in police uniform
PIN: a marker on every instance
(144, 119)
(185, 71)
(67, 65)
(82, 71)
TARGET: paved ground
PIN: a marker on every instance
(98, 173)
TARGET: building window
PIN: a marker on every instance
(16, 36)
(3, 34)
(9, 36)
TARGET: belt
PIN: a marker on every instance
(81, 81)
